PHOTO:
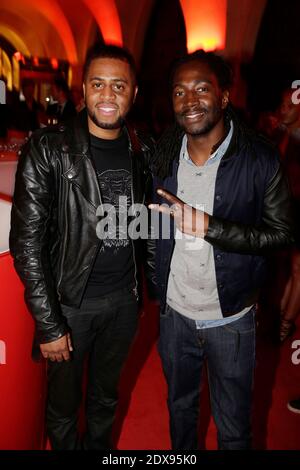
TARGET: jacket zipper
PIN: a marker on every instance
(99, 242)
(63, 253)
(135, 289)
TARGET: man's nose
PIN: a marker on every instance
(191, 98)
(107, 93)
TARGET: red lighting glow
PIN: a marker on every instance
(108, 20)
(205, 23)
(19, 57)
(35, 61)
(57, 19)
(54, 63)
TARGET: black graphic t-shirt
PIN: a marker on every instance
(114, 266)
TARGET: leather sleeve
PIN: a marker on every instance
(275, 231)
(31, 212)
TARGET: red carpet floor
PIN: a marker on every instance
(142, 421)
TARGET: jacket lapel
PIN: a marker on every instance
(137, 158)
(81, 172)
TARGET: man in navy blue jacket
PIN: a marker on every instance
(230, 204)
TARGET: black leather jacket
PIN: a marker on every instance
(53, 224)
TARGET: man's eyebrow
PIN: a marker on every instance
(195, 82)
(111, 79)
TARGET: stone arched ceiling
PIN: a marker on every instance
(81, 21)
(20, 33)
(134, 20)
(107, 18)
(62, 28)
(16, 40)
(47, 19)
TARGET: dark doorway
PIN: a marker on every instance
(165, 40)
(276, 61)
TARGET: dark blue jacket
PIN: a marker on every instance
(251, 217)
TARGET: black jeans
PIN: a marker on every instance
(103, 329)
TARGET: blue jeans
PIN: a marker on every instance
(230, 354)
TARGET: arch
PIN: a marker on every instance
(80, 24)
(6, 69)
(19, 25)
(40, 40)
(53, 14)
(14, 39)
(107, 18)
(135, 26)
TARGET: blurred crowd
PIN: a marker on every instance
(23, 112)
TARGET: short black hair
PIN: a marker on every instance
(216, 63)
(109, 51)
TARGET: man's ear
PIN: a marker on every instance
(225, 99)
(83, 90)
(136, 89)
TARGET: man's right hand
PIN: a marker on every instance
(188, 219)
(58, 350)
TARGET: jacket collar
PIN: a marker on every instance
(170, 142)
(79, 140)
(77, 134)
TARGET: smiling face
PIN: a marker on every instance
(109, 91)
(198, 100)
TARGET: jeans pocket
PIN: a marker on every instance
(242, 330)
(125, 295)
(244, 325)
(166, 312)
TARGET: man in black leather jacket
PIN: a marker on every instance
(83, 291)
(231, 207)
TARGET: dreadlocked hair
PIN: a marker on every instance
(167, 148)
